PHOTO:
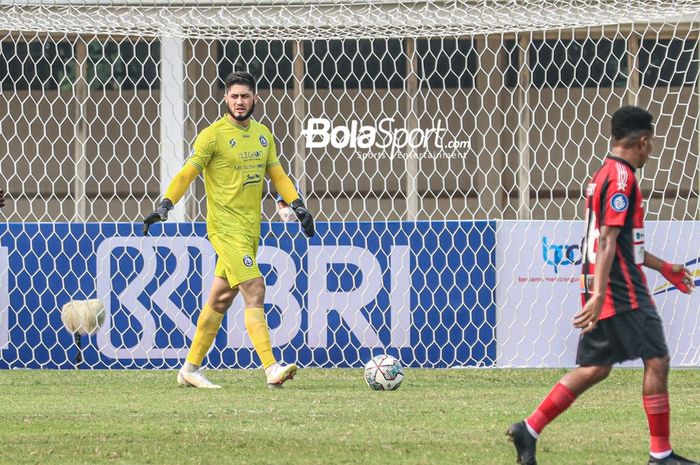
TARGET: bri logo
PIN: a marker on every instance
(561, 254)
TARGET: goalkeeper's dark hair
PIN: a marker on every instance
(241, 77)
(629, 123)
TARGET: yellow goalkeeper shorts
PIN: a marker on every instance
(236, 260)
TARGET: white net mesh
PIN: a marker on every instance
(443, 147)
(308, 19)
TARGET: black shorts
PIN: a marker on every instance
(626, 336)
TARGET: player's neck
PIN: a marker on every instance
(627, 155)
(244, 124)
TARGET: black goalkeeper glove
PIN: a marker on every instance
(159, 214)
(304, 217)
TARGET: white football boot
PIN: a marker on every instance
(277, 374)
(195, 379)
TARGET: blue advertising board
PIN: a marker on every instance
(422, 291)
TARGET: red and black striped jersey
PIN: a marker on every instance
(613, 199)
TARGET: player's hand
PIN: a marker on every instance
(2, 197)
(159, 214)
(587, 318)
(304, 217)
(679, 276)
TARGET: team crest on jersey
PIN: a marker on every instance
(619, 202)
(263, 141)
(232, 143)
(247, 261)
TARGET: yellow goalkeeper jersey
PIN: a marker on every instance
(234, 160)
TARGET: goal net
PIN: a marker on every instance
(443, 147)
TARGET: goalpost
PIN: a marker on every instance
(443, 147)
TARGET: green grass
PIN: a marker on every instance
(324, 417)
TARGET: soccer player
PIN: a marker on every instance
(234, 154)
(2, 197)
(618, 320)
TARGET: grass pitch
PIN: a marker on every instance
(325, 417)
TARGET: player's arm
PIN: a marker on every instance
(177, 188)
(676, 274)
(285, 187)
(587, 318)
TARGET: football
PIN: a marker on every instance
(83, 316)
(383, 373)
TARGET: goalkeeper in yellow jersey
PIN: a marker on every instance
(234, 154)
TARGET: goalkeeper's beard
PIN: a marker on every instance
(241, 117)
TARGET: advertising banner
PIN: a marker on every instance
(538, 291)
(423, 291)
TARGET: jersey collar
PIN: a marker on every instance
(235, 124)
(623, 161)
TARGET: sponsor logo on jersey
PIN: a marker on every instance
(247, 261)
(251, 179)
(232, 143)
(619, 202)
(246, 156)
(263, 141)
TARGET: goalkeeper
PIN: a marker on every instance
(234, 154)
